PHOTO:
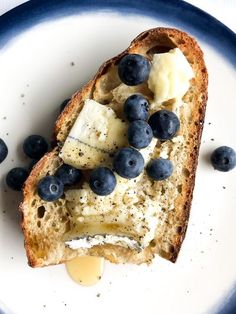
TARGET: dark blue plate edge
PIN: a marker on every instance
(179, 12)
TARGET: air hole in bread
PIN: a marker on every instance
(158, 49)
(186, 172)
(153, 243)
(171, 248)
(33, 203)
(39, 223)
(106, 101)
(179, 188)
(64, 219)
(41, 211)
(68, 124)
(181, 41)
(179, 230)
(67, 226)
(163, 190)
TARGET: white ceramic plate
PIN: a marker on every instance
(49, 49)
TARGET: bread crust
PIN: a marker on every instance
(168, 242)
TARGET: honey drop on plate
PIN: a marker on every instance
(86, 270)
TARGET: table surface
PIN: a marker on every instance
(223, 10)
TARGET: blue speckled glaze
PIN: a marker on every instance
(177, 12)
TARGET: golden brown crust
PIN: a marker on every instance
(147, 43)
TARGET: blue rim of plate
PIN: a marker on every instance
(179, 13)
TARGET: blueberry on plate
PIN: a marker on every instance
(16, 178)
(159, 169)
(165, 124)
(35, 146)
(139, 134)
(223, 158)
(136, 108)
(50, 188)
(3, 150)
(102, 181)
(133, 69)
(68, 174)
(64, 104)
(128, 162)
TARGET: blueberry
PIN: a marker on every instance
(68, 174)
(133, 69)
(35, 146)
(136, 108)
(3, 150)
(102, 181)
(64, 104)
(159, 169)
(50, 188)
(165, 124)
(128, 162)
(223, 158)
(139, 134)
(16, 178)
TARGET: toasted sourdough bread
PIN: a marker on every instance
(45, 223)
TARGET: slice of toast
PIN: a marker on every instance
(45, 223)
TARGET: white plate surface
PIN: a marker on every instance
(36, 76)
